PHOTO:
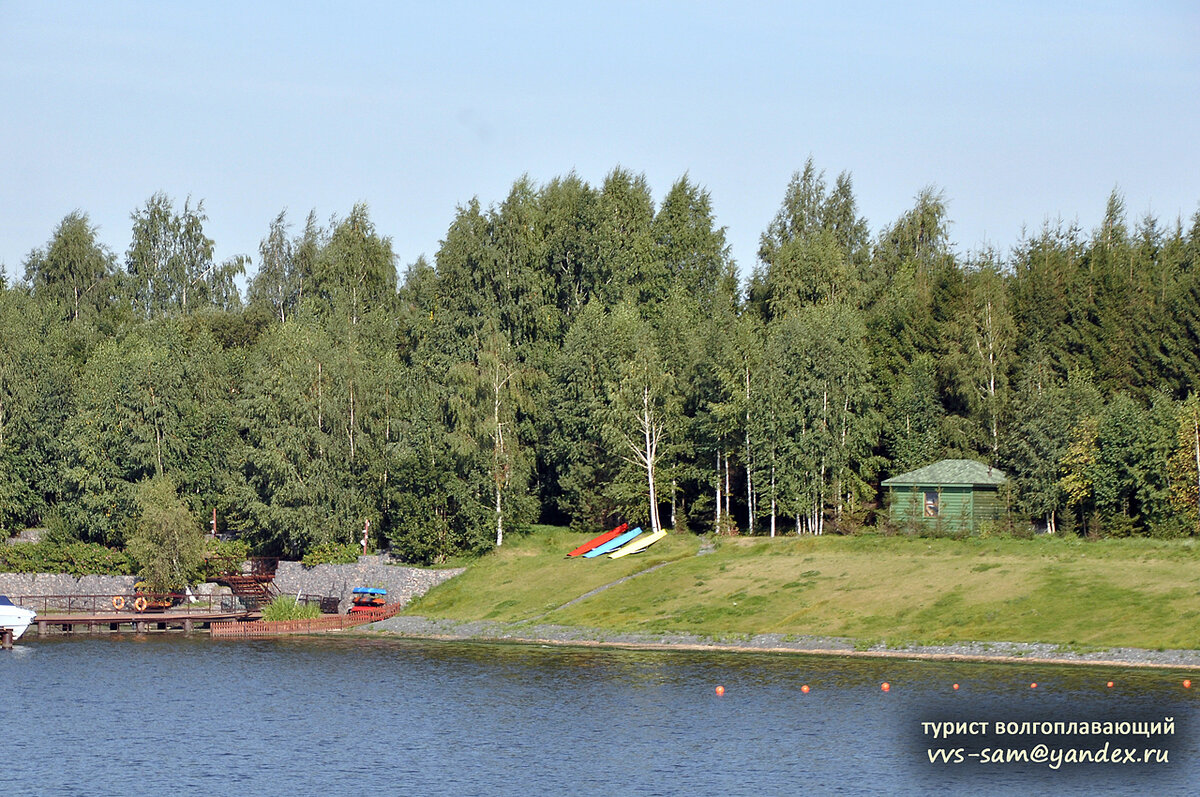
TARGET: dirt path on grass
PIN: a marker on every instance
(600, 589)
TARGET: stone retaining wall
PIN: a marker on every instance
(402, 583)
(63, 584)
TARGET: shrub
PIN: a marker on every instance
(238, 550)
(222, 554)
(285, 607)
(331, 553)
(74, 558)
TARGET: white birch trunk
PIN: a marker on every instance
(499, 518)
(727, 488)
(651, 457)
(350, 431)
(717, 521)
(773, 515)
(499, 451)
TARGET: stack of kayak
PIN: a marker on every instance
(619, 542)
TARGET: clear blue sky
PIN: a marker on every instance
(1020, 112)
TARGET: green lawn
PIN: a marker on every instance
(1138, 593)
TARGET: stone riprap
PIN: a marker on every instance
(546, 634)
(402, 583)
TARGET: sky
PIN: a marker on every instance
(1019, 112)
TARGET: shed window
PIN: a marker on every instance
(931, 503)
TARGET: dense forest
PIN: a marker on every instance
(574, 350)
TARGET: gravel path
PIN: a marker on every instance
(533, 633)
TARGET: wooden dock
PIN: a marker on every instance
(95, 614)
(96, 623)
(224, 616)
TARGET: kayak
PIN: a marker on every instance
(613, 544)
(603, 538)
(637, 546)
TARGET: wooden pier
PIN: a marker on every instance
(95, 614)
(236, 615)
(186, 621)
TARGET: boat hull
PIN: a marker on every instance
(16, 619)
(613, 544)
(598, 541)
(637, 546)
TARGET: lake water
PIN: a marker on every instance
(165, 714)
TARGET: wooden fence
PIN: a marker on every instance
(327, 622)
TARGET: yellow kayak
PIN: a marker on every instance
(637, 545)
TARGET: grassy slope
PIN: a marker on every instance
(1137, 593)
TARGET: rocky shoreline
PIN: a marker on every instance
(997, 652)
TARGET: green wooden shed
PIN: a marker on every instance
(953, 493)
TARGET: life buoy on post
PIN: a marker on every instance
(118, 602)
(140, 604)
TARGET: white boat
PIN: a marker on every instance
(15, 617)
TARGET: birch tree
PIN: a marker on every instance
(75, 270)
(991, 335)
(491, 391)
(277, 283)
(643, 408)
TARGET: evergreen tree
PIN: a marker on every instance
(690, 246)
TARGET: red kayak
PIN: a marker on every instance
(603, 538)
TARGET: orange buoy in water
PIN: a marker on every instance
(885, 686)
(804, 689)
(956, 687)
(1033, 685)
(1187, 684)
(720, 690)
(1109, 684)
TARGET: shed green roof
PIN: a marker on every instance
(949, 472)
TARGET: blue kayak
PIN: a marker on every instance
(613, 544)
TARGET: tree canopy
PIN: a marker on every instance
(585, 355)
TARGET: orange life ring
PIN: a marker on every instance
(140, 604)
(118, 602)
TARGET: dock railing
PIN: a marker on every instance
(259, 567)
(49, 605)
